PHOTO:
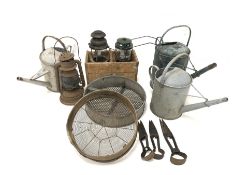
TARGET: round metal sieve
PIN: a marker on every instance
(98, 133)
(125, 86)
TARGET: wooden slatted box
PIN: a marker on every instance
(95, 70)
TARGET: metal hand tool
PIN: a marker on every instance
(175, 150)
(147, 153)
(154, 135)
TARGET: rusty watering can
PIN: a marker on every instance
(170, 90)
(49, 60)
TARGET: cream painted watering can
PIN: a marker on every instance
(49, 60)
(170, 89)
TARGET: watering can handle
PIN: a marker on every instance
(58, 40)
(70, 38)
(150, 69)
(152, 77)
(203, 70)
(182, 55)
(177, 27)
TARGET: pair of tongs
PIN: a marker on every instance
(175, 150)
(147, 152)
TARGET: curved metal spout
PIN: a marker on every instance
(192, 107)
(36, 82)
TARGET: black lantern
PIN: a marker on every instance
(123, 50)
(99, 47)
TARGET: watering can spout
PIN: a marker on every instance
(34, 78)
(33, 81)
(195, 106)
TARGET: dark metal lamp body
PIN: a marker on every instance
(124, 48)
(99, 46)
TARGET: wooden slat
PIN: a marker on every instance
(96, 70)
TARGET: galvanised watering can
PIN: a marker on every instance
(166, 51)
(170, 89)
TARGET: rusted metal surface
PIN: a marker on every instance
(174, 149)
(71, 81)
(147, 152)
(158, 152)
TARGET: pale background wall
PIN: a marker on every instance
(32, 121)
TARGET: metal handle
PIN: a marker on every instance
(70, 38)
(178, 27)
(150, 70)
(147, 36)
(203, 70)
(58, 40)
(170, 63)
(80, 73)
(157, 41)
(152, 76)
(177, 161)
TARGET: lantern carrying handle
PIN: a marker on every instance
(78, 62)
(75, 42)
(57, 40)
(182, 55)
(179, 26)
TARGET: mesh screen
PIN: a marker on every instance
(103, 126)
(137, 101)
(133, 97)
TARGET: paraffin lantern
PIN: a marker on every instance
(71, 76)
(123, 50)
(99, 47)
(71, 81)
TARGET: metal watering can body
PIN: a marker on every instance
(166, 51)
(49, 59)
(169, 96)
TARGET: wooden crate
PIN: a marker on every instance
(96, 70)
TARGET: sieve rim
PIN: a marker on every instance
(77, 107)
(140, 90)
